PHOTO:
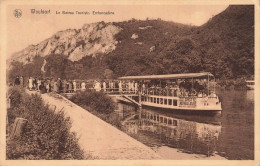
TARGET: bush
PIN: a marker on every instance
(47, 134)
(98, 104)
(97, 101)
(15, 95)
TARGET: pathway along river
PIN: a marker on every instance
(229, 135)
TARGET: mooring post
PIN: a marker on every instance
(18, 127)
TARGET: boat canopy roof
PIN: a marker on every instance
(168, 76)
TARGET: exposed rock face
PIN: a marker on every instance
(91, 39)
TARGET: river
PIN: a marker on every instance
(229, 135)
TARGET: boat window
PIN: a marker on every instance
(174, 122)
(161, 101)
(165, 101)
(157, 100)
(154, 117)
(161, 119)
(154, 100)
(170, 121)
(170, 101)
(165, 120)
(157, 117)
(175, 102)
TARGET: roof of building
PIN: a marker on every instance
(168, 76)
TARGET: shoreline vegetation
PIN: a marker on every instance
(99, 104)
(230, 84)
(47, 132)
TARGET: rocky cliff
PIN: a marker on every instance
(91, 39)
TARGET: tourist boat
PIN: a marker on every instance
(189, 91)
(250, 84)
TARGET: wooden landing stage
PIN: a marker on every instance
(98, 138)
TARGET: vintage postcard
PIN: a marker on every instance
(129, 82)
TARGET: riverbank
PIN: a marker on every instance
(36, 132)
(98, 138)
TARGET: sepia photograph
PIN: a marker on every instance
(129, 83)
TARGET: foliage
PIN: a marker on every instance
(239, 83)
(46, 135)
(27, 70)
(16, 96)
(98, 104)
(97, 101)
(223, 46)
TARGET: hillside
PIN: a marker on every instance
(224, 46)
(74, 43)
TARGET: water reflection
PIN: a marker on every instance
(158, 129)
(230, 135)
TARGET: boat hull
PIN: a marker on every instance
(182, 108)
(174, 108)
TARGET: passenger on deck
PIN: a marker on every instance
(143, 88)
(116, 86)
(129, 86)
(136, 87)
(120, 86)
(112, 86)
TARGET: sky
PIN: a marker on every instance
(34, 28)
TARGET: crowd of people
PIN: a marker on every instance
(120, 86)
(177, 89)
(46, 85)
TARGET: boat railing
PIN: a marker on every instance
(161, 91)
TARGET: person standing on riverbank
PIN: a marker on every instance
(64, 86)
(21, 81)
(30, 83)
(16, 81)
(47, 86)
(70, 86)
(104, 86)
(55, 87)
(38, 84)
(74, 85)
(83, 85)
